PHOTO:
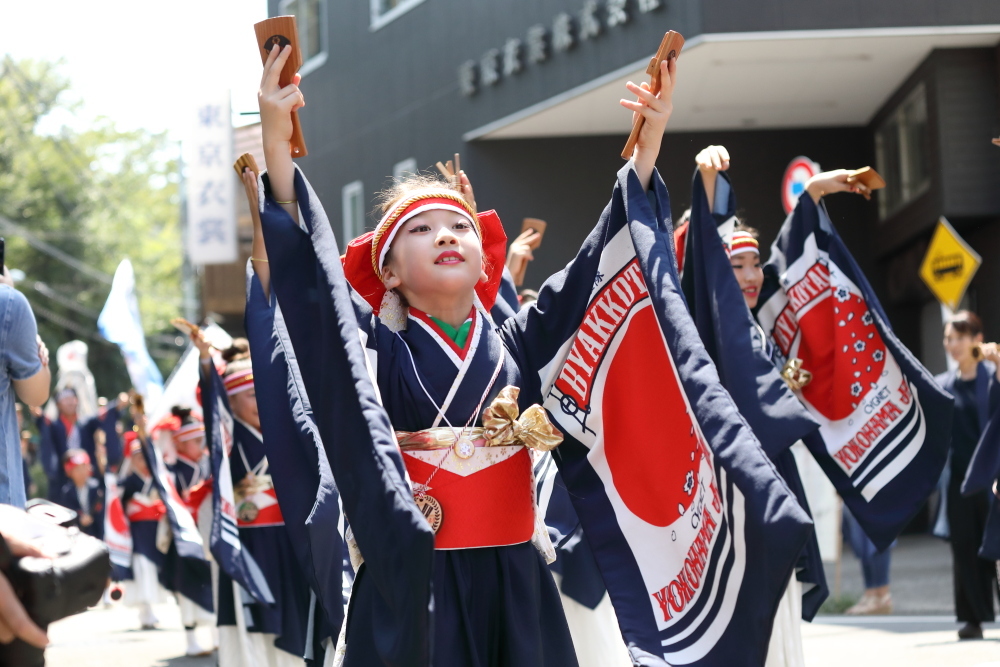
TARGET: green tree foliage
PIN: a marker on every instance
(98, 196)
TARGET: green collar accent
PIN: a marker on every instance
(459, 335)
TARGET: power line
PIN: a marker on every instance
(52, 251)
(66, 323)
(47, 291)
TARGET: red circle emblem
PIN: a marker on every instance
(652, 447)
(842, 348)
(117, 516)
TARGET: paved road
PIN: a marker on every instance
(921, 634)
(888, 641)
(110, 638)
(920, 576)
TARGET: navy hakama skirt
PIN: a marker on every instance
(289, 617)
(493, 607)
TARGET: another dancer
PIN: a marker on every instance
(82, 492)
(974, 384)
(68, 432)
(144, 510)
(191, 471)
(274, 635)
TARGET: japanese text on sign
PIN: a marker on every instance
(211, 211)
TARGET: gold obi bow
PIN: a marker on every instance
(794, 375)
(533, 429)
(503, 425)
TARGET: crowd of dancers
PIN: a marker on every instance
(408, 463)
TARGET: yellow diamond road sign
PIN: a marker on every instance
(949, 265)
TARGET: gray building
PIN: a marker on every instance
(527, 92)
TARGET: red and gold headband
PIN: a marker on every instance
(431, 199)
(238, 381)
(77, 458)
(189, 432)
(740, 242)
(365, 255)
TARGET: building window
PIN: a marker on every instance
(310, 17)
(404, 168)
(352, 197)
(387, 11)
(902, 152)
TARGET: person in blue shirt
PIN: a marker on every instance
(24, 375)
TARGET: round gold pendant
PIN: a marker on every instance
(431, 509)
(464, 447)
(247, 512)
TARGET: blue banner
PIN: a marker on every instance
(885, 425)
(694, 532)
(224, 542)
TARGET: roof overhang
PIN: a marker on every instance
(730, 81)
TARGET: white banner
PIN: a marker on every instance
(210, 184)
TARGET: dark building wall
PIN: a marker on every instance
(392, 94)
(967, 102)
(963, 113)
(568, 181)
(743, 16)
(962, 109)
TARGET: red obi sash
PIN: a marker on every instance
(196, 496)
(259, 508)
(486, 500)
(145, 509)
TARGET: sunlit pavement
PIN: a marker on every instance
(888, 641)
(111, 638)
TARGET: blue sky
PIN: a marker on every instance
(143, 64)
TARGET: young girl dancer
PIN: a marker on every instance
(428, 276)
(270, 636)
(190, 471)
(743, 250)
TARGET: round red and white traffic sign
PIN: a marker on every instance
(798, 171)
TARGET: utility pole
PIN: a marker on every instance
(189, 275)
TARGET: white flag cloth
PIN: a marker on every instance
(119, 323)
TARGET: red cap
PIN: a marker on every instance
(76, 458)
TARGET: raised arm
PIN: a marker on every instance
(711, 161)
(656, 109)
(276, 107)
(829, 182)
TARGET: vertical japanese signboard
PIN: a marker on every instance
(211, 210)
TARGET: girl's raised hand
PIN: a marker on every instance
(467, 192)
(829, 182)
(713, 158)
(656, 110)
(199, 341)
(277, 103)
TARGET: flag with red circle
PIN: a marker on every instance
(117, 533)
(694, 532)
(884, 423)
